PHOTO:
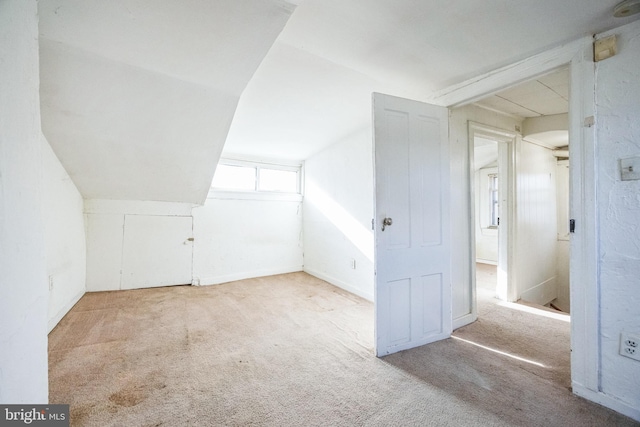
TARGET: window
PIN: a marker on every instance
(284, 181)
(494, 219)
(232, 177)
(245, 179)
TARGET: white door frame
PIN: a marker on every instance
(585, 299)
(507, 286)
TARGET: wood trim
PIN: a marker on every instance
(585, 294)
(495, 81)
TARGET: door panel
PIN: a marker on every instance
(157, 251)
(413, 291)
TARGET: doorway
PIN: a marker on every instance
(529, 241)
(577, 56)
(492, 172)
(519, 201)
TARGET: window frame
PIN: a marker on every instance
(257, 193)
(494, 200)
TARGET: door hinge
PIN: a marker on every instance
(373, 223)
(572, 226)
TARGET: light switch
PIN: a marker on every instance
(630, 168)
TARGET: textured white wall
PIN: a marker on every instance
(239, 239)
(338, 209)
(63, 219)
(23, 277)
(537, 224)
(618, 136)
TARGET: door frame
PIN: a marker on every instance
(507, 235)
(585, 297)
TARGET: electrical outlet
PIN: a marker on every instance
(630, 346)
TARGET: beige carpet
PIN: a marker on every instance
(292, 350)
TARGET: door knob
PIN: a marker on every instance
(386, 222)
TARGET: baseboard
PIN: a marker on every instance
(340, 284)
(464, 320)
(543, 293)
(486, 261)
(216, 280)
(606, 400)
(53, 322)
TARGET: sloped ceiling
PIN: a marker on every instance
(406, 48)
(137, 96)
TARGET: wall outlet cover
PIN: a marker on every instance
(630, 346)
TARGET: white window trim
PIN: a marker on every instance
(257, 194)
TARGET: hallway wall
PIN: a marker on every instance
(536, 222)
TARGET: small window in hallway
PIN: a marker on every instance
(493, 201)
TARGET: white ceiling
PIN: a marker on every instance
(314, 87)
(137, 96)
(545, 96)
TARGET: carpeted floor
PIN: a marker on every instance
(292, 350)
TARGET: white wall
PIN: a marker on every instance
(23, 277)
(63, 219)
(242, 238)
(536, 224)
(486, 238)
(232, 240)
(618, 136)
(338, 209)
(460, 201)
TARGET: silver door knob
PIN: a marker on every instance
(385, 222)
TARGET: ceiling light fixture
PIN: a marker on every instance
(626, 8)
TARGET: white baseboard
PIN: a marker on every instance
(607, 400)
(486, 261)
(216, 280)
(464, 320)
(543, 293)
(339, 283)
(53, 322)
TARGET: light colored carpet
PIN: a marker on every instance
(292, 350)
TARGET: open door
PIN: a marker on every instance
(412, 261)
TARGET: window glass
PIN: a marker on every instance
(229, 177)
(278, 180)
(493, 200)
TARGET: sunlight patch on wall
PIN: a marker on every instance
(349, 226)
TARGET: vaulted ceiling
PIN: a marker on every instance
(137, 96)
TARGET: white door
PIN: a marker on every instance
(157, 251)
(413, 289)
